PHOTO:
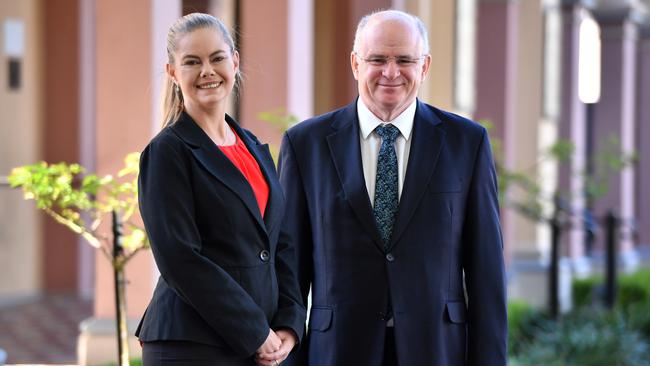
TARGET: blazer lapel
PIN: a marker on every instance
(427, 142)
(262, 155)
(346, 154)
(215, 162)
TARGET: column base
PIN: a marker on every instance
(97, 342)
(581, 267)
(629, 260)
(528, 280)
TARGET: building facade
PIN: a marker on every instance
(82, 84)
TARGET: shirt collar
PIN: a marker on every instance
(368, 121)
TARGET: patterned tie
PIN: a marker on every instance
(386, 197)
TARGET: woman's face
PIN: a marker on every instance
(204, 68)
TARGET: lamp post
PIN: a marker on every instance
(589, 74)
(588, 93)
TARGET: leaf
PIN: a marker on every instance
(134, 240)
(78, 200)
(562, 150)
(131, 165)
(278, 117)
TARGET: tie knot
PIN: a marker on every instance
(388, 132)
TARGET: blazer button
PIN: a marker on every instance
(265, 255)
(390, 257)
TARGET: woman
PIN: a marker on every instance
(213, 210)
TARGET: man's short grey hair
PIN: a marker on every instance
(393, 14)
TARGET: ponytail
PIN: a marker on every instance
(172, 102)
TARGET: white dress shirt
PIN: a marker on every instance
(371, 143)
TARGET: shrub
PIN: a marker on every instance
(522, 320)
(584, 291)
(632, 289)
(584, 338)
(638, 317)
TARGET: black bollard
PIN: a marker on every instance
(611, 225)
(554, 303)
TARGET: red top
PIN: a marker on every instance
(247, 165)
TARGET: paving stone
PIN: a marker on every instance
(44, 331)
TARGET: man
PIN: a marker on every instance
(393, 208)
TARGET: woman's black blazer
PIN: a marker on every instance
(227, 275)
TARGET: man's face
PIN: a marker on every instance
(389, 66)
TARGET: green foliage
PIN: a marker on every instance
(279, 118)
(638, 316)
(632, 288)
(607, 162)
(562, 150)
(517, 311)
(81, 201)
(522, 321)
(135, 362)
(589, 335)
(584, 290)
(633, 300)
(584, 338)
(521, 190)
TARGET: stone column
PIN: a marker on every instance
(528, 114)
(61, 133)
(440, 17)
(643, 136)
(496, 82)
(277, 60)
(300, 55)
(22, 227)
(128, 61)
(264, 60)
(615, 114)
(572, 127)
(335, 26)
(87, 141)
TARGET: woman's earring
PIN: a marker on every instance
(178, 90)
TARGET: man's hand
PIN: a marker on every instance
(274, 358)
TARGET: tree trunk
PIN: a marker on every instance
(120, 298)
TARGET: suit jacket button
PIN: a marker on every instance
(265, 255)
(390, 257)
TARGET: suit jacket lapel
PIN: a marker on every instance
(215, 162)
(346, 154)
(262, 155)
(427, 142)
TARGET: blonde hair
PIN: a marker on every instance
(172, 100)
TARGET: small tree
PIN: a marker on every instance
(281, 120)
(521, 189)
(81, 202)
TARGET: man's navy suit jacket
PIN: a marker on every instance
(446, 240)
